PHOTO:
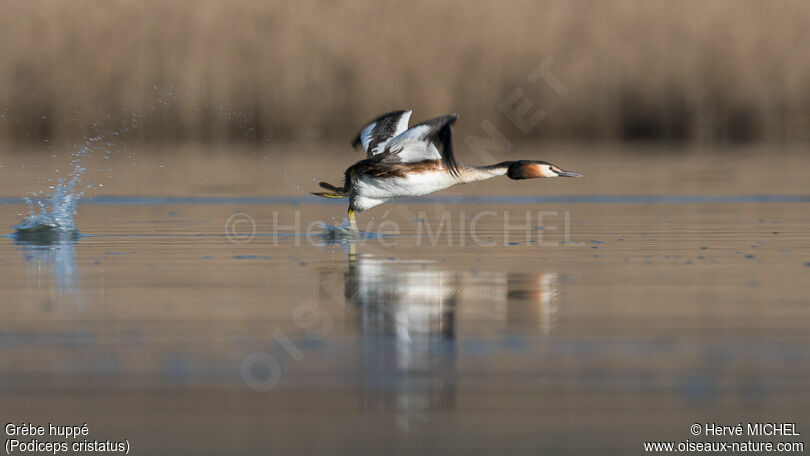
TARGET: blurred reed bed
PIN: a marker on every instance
(704, 71)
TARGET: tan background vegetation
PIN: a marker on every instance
(703, 71)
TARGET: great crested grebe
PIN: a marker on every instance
(403, 162)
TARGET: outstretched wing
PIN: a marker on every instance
(376, 135)
(429, 140)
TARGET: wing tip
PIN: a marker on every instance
(449, 119)
(357, 141)
(444, 121)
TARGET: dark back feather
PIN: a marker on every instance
(444, 142)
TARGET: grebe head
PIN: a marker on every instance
(531, 169)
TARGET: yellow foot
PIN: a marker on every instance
(352, 221)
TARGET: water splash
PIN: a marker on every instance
(343, 233)
(53, 218)
(339, 233)
(53, 215)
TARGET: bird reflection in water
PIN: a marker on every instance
(406, 316)
(531, 300)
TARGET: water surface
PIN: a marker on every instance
(574, 316)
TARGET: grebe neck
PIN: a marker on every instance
(469, 174)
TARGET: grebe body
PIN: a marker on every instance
(404, 162)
